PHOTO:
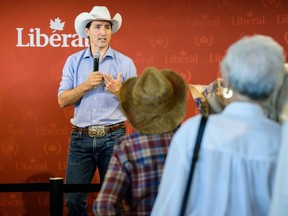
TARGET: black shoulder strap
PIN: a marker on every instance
(194, 160)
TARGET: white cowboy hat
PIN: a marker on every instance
(97, 13)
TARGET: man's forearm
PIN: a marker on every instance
(71, 96)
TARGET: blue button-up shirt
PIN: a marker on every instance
(97, 106)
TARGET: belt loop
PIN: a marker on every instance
(78, 129)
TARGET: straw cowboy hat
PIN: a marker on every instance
(97, 13)
(209, 98)
(154, 102)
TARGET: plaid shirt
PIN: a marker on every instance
(132, 179)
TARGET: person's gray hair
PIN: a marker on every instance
(254, 66)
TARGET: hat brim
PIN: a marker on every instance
(84, 18)
(155, 123)
(197, 93)
(208, 98)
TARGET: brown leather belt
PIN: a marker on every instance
(99, 130)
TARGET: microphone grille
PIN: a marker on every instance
(96, 55)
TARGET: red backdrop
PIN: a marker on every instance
(189, 36)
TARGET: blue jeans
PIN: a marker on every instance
(85, 155)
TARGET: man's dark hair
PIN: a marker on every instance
(89, 24)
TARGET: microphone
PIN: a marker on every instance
(96, 61)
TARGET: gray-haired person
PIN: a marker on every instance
(237, 160)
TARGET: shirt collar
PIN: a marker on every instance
(243, 109)
(109, 53)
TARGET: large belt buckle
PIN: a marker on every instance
(96, 131)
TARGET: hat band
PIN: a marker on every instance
(100, 18)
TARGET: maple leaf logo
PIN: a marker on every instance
(56, 24)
